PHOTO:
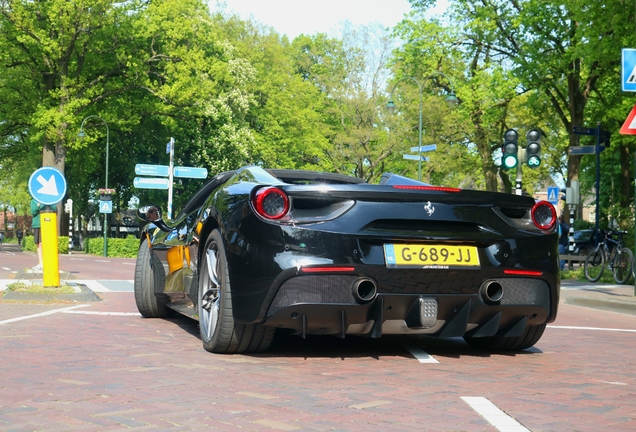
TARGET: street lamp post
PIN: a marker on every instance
(82, 135)
(451, 99)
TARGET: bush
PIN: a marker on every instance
(27, 244)
(117, 247)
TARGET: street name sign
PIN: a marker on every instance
(190, 172)
(429, 147)
(583, 150)
(150, 183)
(47, 185)
(416, 157)
(583, 131)
(152, 170)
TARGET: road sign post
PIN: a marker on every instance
(419, 158)
(169, 171)
(602, 137)
(47, 186)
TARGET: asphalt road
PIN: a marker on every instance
(100, 366)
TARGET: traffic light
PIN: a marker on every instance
(533, 148)
(509, 149)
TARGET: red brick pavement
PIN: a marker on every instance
(107, 372)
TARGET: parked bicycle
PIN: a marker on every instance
(610, 252)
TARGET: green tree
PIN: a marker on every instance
(143, 67)
(562, 50)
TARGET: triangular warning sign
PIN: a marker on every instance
(629, 127)
(105, 206)
(552, 195)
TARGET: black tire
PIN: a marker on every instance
(594, 265)
(622, 268)
(219, 332)
(530, 336)
(150, 278)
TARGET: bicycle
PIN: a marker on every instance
(619, 259)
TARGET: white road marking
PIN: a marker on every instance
(417, 352)
(494, 415)
(51, 312)
(8, 253)
(78, 259)
(127, 263)
(592, 328)
(6, 268)
(102, 261)
(102, 313)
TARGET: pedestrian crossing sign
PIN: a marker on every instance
(553, 195)
(105, 206)
(628, 75)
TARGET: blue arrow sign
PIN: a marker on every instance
(553, 195)
(429, 147)
(150, 183)
(190, 172)
(47, 185)
(416, 157)
(152, 170)
(628, 73)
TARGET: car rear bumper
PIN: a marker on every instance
(329, 305)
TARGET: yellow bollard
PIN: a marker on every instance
(50, 260)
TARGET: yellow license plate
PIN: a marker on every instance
(431, 256)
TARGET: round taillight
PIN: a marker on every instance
(271, 203)
(544, 215)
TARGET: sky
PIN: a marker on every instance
(293, 17)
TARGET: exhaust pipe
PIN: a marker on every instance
(492, 292)
(365, 289)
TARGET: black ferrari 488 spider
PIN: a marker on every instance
(258, 250)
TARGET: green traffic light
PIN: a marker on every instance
(509, 162)
(534, 161)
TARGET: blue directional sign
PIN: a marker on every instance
(553, 195)
(429, 147)
(105, 206)
(628, 74)
(583, 150)
(190, 172)
(47, 185)
(150, 183)
(152, 170)
(416, 157)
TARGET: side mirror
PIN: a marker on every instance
(152, 214)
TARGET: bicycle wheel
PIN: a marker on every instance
(622, 267)
(594, 265)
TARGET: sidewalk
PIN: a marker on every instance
(616, 298)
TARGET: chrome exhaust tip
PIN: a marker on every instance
(492, 292)
(364, 289)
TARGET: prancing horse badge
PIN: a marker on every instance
(429, 208)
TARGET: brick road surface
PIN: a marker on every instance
(72, 370)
